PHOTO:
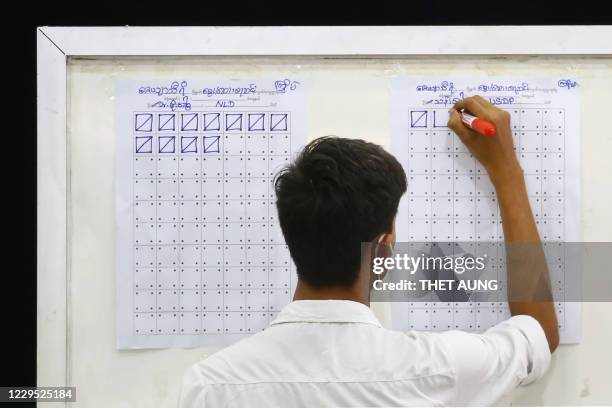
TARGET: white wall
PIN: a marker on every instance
(339, 91)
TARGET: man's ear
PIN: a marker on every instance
(382, 248)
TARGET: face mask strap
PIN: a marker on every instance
(380, 242)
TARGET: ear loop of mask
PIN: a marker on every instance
(380, 242)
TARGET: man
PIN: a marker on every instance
(327, 348)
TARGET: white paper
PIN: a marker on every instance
(450, 197)
(200, 256)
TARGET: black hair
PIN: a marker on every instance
(335, 195)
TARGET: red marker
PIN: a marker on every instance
(478, 125)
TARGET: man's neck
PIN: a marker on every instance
(304, 291)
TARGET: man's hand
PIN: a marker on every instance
(529, 290)
(496, 153)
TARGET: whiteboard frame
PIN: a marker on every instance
(55, 45)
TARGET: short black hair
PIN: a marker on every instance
(335, 195)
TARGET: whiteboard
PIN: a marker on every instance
(339, 90)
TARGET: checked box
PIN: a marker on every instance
(211, 144)
(166, 144)
(256, 121)
(189, 122)
(189, 144)
(212, 121)
(143, 122)
(278, 121)
(167, 122)
(233, 121)
(144, 144)
(418, 118)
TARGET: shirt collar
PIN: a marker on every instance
(326, 311)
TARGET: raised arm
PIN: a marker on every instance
(528, 281)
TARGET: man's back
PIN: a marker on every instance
(335, 353)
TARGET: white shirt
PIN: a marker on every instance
(320, 353)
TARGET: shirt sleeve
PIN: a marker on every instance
(489, 365)
(192, 393)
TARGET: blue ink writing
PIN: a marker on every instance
(567, 83)
(503, 88)
(225, 104)
(174, 104)
(282, 85)
(175, 88)
(230, 90)
(443, 86)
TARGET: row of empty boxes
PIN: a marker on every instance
(213, 278)
(207, 167)
(207, 189)
(194, 323)
(210, 300)
(236, 211)
(208, 233)
(446, 141)
(478, 207)
(471, 229)
(479, 185)
(256, 255)
(469, 319)
(465, 163)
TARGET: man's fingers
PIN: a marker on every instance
(484, 102)
(479, 106)
(474, 106)
(454, 121)
(457, 126)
